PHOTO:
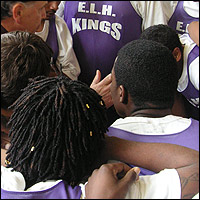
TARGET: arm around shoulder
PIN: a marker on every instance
(141, 154)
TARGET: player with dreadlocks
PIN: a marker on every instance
(56, 131)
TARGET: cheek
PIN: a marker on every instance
(37, 19)
(34, 17)
(47, 9)
(112, 91)
(118, 108)
(116, 101)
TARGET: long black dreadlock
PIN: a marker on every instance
(57, 128)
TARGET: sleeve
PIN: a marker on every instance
(12, 180)
(168, 8)
(66, 55)
(60, 11)
(83, 190)
(151, 12)
(164, 185)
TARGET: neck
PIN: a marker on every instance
(151, 112)
(41, 26)
(9, 25)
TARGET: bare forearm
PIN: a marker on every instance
(152, 156)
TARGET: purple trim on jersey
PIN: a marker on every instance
(187, 138)
(52, 39)
(102, 28)
(3, 30)
(59, 191)
(191, 92)
(180, 17)
(191, 110)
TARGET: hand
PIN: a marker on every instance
(111, 181)
(103, 88)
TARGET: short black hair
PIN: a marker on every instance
(24, 55)
(57, 130)
(6, 8)
(163, 34)
(148, 71)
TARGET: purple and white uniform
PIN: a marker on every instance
(180, 14)
(168, 129)
(13, 184)
(188, 83)
(100, 28)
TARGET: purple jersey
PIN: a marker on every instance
(52, 40)
(180, 19)
(59, 191)
(188, 138)
(190, 92)
(99, 29)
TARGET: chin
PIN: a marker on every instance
(50, 15)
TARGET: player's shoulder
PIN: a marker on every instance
(59, 19)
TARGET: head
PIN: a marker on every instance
(22, 15)
(24, 55)
(57, 129)
(51, 8)
(144, 76)
(168, 37)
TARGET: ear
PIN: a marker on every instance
(177, 54)
(123, 95)
(17, 10)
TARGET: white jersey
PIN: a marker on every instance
(164, 185)
(66, 55)
(169, 124)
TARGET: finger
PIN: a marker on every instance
(107, 80)
(132, 175)
(137, 170)
(105, 91)
(119, 168)
(97, 77)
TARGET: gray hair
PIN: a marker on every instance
(6, 7)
